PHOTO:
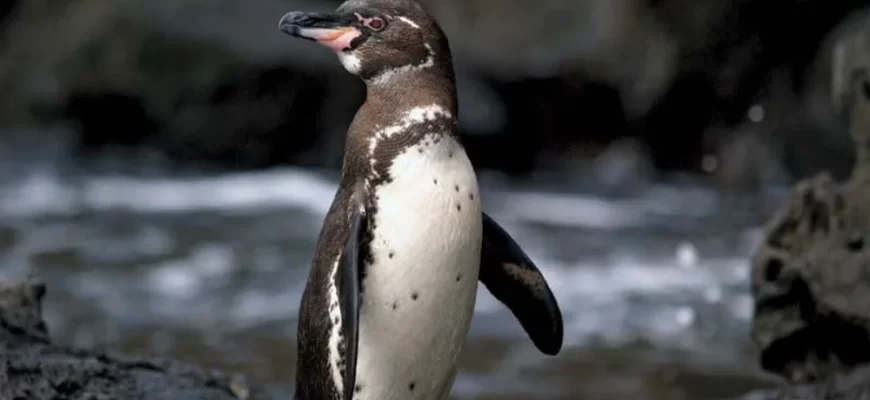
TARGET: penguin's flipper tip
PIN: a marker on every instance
(512, 278)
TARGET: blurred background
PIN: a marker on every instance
(165, 166)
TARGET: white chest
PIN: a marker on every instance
(420, 290)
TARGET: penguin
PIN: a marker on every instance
(391, 291)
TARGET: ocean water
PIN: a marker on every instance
(652, 283)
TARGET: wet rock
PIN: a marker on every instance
(33, 368)
(854, 385)
(811, 274)
(812, 316)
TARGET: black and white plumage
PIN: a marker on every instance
(391, 293)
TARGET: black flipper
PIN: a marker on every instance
(348, 287)
(512, 278)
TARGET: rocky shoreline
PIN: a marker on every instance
(812, 309)
(810, 272)
(216, 83)
(33, 367)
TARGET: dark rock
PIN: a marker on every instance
(546, 115)
(218, 83)
(811, 273)
(259, 116)
(734, 67)
(671, 128)
(7, 10)
(812, 314)
(33, 368)
(108, 118)
(854, 385)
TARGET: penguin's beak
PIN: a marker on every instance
(335, 31)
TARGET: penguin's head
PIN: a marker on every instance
(375, 39)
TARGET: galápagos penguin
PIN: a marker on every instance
(391, 292)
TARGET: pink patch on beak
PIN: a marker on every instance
(335, 39)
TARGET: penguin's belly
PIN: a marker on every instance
(419, 291)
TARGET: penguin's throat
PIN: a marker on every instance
(432, 118)
(406, 96)
(422, 125)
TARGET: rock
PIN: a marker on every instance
(812, 317)
(853, 385)
(107, 117)
(811, 273)
(33, 368)
(7, 10)
(662, 71)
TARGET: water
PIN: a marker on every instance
(652, 284)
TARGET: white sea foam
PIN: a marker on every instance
(43, 193)
(619, 293)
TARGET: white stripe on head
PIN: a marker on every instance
(409, 22)
(385, 76)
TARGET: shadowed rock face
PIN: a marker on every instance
(854, 385)
(811, 274)
(669, 71)
(33, 368)
(109, 117)
(810, 282)
(7, 8)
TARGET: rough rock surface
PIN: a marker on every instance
(217, 82)
(853, 385)
(811, 274)
(33, 368)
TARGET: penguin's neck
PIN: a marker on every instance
(400, 111)
(399, 106)
(387, 101)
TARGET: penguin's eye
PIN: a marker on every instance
(375, 24)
